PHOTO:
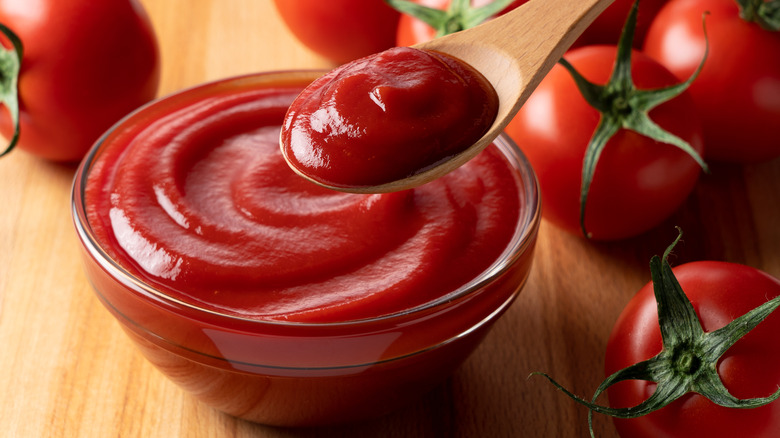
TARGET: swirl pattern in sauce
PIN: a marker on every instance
(200, 204)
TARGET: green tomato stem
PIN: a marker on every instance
(622, 106)
(10, 65)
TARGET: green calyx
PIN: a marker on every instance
(689, 357)
(765, 13)
(623, 106)
(459, 16)
(10, 64)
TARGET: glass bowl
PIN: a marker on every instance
(301, 373)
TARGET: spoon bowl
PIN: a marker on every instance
(514, 52)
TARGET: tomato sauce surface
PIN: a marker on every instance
(199, 203)
(386, 117)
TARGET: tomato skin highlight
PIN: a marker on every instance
(738, 90)
(86, 65)
(340, 30)
(638, 182)
(720, 292)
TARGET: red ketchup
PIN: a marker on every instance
(275, 299)
(386, 117)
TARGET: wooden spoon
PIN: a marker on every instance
(514, 52)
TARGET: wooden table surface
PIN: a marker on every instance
(69, 371)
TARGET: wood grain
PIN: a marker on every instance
(69, 371)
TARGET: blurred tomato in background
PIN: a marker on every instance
(341, 30)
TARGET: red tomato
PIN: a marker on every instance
(341, 30)
(412, 30)
(738, 91)
(638, 182)
(607, 27)
(86, 64)
(719, 292)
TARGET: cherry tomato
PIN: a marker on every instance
(341, 30)
(719, 292)
(738, 91)
(86, 64)
(638, 182)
